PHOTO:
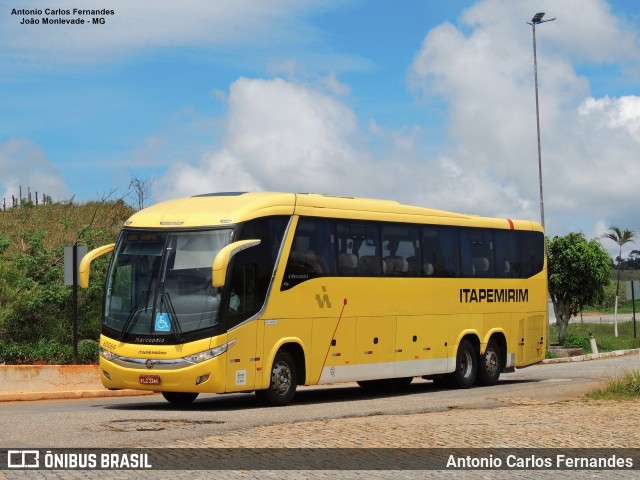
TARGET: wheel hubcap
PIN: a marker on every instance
(466, 363)
(281, 378)
(491, 362)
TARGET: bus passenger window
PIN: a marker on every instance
(477, 253)
(530, 244)
(313, 252)
(361, 241)
(441, 255)
(506, 247)
(399, 247)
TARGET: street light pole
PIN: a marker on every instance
(536, 20)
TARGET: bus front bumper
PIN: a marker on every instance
(205, 377)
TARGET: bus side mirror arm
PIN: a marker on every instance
(85, 264)
(223, 257)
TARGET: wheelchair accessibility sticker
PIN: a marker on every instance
(163, 324)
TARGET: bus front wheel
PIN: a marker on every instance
(466, 366)
(179, 398)
(283, 383)
(490, 364)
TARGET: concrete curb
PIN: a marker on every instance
(47, 382)
(70, 395)
(591, 356)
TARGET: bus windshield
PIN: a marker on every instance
(159, 283)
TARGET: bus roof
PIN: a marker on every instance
(226, 208)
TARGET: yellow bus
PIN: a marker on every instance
(244, 292)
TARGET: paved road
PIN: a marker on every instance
(151, 421)
(536, 407)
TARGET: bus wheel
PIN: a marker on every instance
(490, 364)
(466, 366)
(179, 398)
(282, 386)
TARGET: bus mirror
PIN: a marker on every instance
(223, 257)
(83, 270)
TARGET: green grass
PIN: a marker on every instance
(604, 335)
(624, 386)
(624, 306)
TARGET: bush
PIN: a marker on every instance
(550, 354)
(579, 342)
(34, 301)
(47, 353)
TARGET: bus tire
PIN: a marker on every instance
(179, 398)
(466, 366)
(283, 383)
(490, 364)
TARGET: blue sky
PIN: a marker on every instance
(424, 102)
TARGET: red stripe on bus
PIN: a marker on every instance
(511, 226)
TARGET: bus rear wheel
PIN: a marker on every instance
(179, 398)
(466, 366)
(490, 364)
(283, 384)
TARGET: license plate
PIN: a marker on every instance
(149, 379)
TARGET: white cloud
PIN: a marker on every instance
(24, 164)
(279, 136)
(614, 114)
(300, 134)
(483, 71)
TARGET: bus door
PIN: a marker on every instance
(241, 303)
(249, 281)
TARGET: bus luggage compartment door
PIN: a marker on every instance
(375, 347)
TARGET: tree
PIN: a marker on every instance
(621, 238)
(142, 189)
(579, 270)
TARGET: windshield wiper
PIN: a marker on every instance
(134, 314)
(173, 316)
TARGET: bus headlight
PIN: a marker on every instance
(209, 354)
(107, 355)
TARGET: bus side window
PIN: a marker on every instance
(261, 258)
(441, 254)
(399, 248)
(359, 249)
(313, 252)
(347, 259)
(530, 244)
(506, 247)
(477, 253)
(243, 301)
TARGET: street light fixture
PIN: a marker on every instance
(537, 20)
